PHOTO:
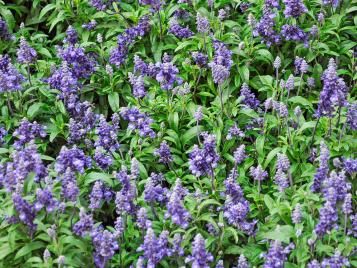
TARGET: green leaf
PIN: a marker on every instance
(260, 145)
(207, 203)
(45, 10)
(34, 109)
(95, 176)
(113, 99)
(5, 250)
(244, 73)
(28, 248)
(190, 134)
(300, 100)
(281, 233)
(269, 202)
(270, 156)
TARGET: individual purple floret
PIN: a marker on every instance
(154, 248)
(142, 220)
(177, 249)
(45, 199)
(277, 255)
(347, 204)
(352, 116)
(334, 91)
(203, 161)
(198, 115)
(64, 80)
(90, 25)
(99, 193)
(338, 182)
(71, 35)
(119, 54)
(222, 62)
(4, 31)
(179, 31)
(282, 162)
(281, 180)
(167, 73)
(10, 78)
(107, 135)
(242, 262)
(271, 3)
(336, 261)
(3, 133)
(70, 190)
(258, 173)
(322, 171)
(138, 121)
(85, 224)
(27, 132)
(202, 23)
(200, 59)
(175, 208)
(265, 28)
(81, 64)
(294, 8)
(219, 264)
(234, 131)
(101, 5)
(25, 53)
(239, 154)
(124, 199)
(311, 82)
(313, 264)
(334, 3)
(236, 207)
(249, 98)
(138, 86)
(73, 158)
(102, 158)
(154, 192)
(200, 257)
(296, 214)
(164, 153)
(328, 218)
(105, 245)
(26, 211)
(294, 33)
(350, 165)
(156, 5)
(24, 161)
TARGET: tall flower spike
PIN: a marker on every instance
(296, 215)
(277, 255)
(200, 258)
(294, 8)
(164, 153)
(322, 171)
(105, 245)
(203, 161)
(249, 98)
(202, 23)
(155, 249)
(10, 78)
(175, 208)
(25, 53)
(333, 93)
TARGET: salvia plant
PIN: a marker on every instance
(178, 133)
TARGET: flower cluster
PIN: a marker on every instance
(10, 78)
(119, 54)
(203, 161)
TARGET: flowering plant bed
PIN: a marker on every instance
(186, 133)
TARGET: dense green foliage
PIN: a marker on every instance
(266, 131)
